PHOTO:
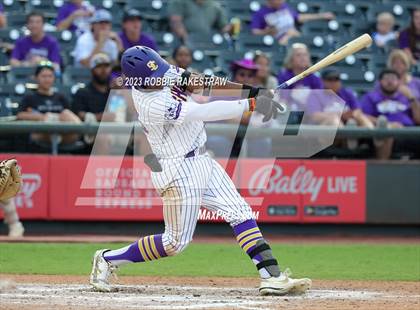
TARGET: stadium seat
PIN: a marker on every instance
(16, 19)
(401, 13)
(151, 10)
(321, 27)
(73, 75)
(317, 45)
(47, 7)
(225, 59)
(202, 61)
(265, 43)
(343, 12)
(12, 6)
(105, 4)
(212, 44)
(360, 80)
(20, 74)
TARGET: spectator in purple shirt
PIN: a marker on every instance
(278, 19)
(3, 19)
(352, 111)
(37, 46)
(388, 101)
(74, 15)
(296, 61)
(387, 105)
(132, 34)
(410, 37)
(410, 85)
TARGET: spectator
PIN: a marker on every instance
(409, 39)
(74, 15)
(388, 107)
(37, 46)
(196, 16)
(182, 57)
(45, 105)
(399, 61)
(101, 39)
(89, 103)
(352, 111)
(384, 29)
(264, 78)
(132, 34)
(388, 101)
(296, 61)
(278, 19)
(3, 19)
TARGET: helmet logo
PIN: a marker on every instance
(152, 65)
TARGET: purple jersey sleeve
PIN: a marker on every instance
(368, 105)
(18, 51)
(349, 98)
(258, 21)
(403, 39)
(293, 12)
(54, 52)
(63, 13)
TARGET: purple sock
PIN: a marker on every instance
(247, 234)
(147, 248)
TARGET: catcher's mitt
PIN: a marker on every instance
(10, 179)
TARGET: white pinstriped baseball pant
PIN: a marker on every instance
(187, 184)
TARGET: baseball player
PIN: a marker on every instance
(184, 175)
(10, 183)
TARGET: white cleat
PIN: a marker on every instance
(16, 230)
(101, 272)
(284, 285)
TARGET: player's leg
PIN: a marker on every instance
(181, 204)
(11, 218)
(222, 196)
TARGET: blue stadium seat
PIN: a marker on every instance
(212, 44)
(14, 6)
(20, 74)
(250, 41)
(151, 10)
(16, 19)
(73, 75)
(401, 14)
(47, 7)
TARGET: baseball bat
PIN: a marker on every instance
(347, 49)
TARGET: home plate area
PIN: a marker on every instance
(75, 296)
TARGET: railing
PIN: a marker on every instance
(56, 128)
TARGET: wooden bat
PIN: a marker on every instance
(348, 49)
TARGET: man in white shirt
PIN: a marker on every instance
(101, 39)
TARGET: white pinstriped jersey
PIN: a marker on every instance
(162, 115)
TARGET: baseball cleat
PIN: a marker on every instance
(16, 230)
(101, 272)
(284, 285)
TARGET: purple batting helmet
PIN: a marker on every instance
(142, 62)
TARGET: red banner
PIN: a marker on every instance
(102, 190)
(113, 188)
(32, 201)
(306, 191)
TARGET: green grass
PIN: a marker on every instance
(318, 261)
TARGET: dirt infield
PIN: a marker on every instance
(72, 292)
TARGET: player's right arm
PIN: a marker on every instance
(217, 87)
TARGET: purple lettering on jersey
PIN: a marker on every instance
(178, 94)
(180, 97)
